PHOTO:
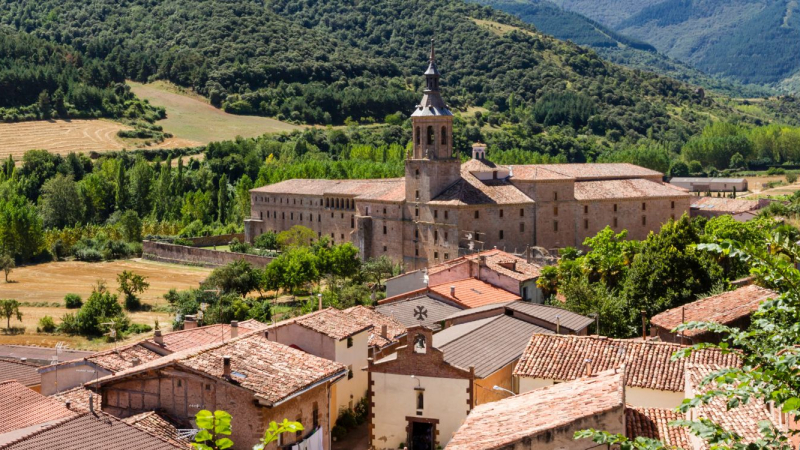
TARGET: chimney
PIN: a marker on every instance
(234, 328)
(644, 325)
(588, 363)
(68, 404)
(189, 322)
(319, 298)
(23, 359)
(91, 402)
(158, 338)
(453, 291)
(384, 331)
(226, 366)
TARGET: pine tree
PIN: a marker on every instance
(222, 199)
(178, 184)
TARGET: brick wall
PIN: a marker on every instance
(181, 254)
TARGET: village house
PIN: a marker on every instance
(387, 333)
(652, 378)
(707, 184)
(72, 373)
(25, 411)
(496, 267)
(732, 308)
(41, 356)
(442, 209)
(422, 392)
(22, 372)
(253, 378)
(740, 209)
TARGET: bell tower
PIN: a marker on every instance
(431, 167)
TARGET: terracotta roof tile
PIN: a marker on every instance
(625, 189)
(724, 205)
(23, 372)
(158, 425)
(598, 171)
(648, 363)
(88, 431)
(536, 173)
(498, 261)
(394, 329)
(472, 292)
(270, 370)
(24, 411)
(79, 399)
(723, 308)
(503, 423)
(209, 334)
(122, 358)
(40, 355)
(653, 423)
(390, 189)
(333, 323)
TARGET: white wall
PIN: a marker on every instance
(405, 283)
(307, 339)
(69, 377)
(355, 356)
(446, 399)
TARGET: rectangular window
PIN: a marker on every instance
(349, 372)
(349, 341)
(352, 221)
(384, 211)
(615, 207)
(522, 227)
(555, 225)
(615, 222)
(555, 196)
(586, 209)
(416, 195)
(292, 216)
(435, 236)
(384, 229)
(435, 255)
(644, 220)
(672, 205)
(525, 293)
(435, 213)
(446, 256)
(477, 214)
(644, 206)
(342, 236)
(586, 224)
(522, 212)
(555, 210)
(445, 215)
(416, 212)
(416, 252)
(384, 249)
(501, 213)
(416, 233)
(315, 416)
(501, 234)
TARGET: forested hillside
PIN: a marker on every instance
(752, 41)
(41, 80)
(614, 47)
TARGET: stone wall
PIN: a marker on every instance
(181, 254)
(209, 241)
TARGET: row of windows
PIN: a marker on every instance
(644, 207)
(586, 222)
(338, 203)
(300, 217)
(431, 135)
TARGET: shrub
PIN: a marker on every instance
(46, 325)
(239, 247)
(267, 241)
(69, 324)
(347, 419)
(73, 301)
(88, 255)
(791, 178)
(775, 171)
(339, 432)
(137, 328)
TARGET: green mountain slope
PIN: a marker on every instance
(752, 41)
(549, 18)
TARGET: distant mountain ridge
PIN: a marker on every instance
(751, 41)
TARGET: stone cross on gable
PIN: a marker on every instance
(420, 313)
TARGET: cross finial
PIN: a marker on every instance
(433, 54)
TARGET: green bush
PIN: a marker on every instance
(88, 255)
(69, 324)
(791, 178)
(137, 328)
(347, 419)
(73, 301)
(239, 247)
(775, 171)
(46, 325)
(267, 241)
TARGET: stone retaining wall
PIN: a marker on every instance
(181, 254)
(209, 241)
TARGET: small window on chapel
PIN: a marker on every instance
(477, 214)
(349, 341)
(501, 234)
(501, 213)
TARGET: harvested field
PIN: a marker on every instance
(191, 117)
(52, 281)
(66, 136)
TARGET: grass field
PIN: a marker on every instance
(52, 281)
(190, 117)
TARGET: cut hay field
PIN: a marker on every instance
(52, 281)
(191, 117)
(67, 136)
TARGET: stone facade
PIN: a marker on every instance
(443, 209)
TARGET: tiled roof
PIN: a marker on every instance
(536, 173)
(725, 205)
(114, 360)
(487, 345)
(567, 320)
(403, 311)
(333, 323)
(625, 189)
(503, 423)
(40, 355)
(653, 423)
(706, 180)
(394, 329)
(78, 399)
(498, 261)
(742, 420)
(156, 424)
(25, 411)
(390, 189)
(648, 363)
(478, 165)
(193, 337)
(88, 431)
(23, 372)
(472, 292)
(598, 171)
(270, 370)
(722, 308)
(472, 191)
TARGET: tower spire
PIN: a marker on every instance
(433, 53)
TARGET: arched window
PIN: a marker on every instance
(417, 137)
(431, 135)
(419, 344)
(444, 135)
(420, 400)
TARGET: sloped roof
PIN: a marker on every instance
(472, 191)
(193, 337)
(497, 260)
(157, 425)
(114, 360)
(706, 180)
(88, 431)
(388, 189)
(600, 171)
(23, 372)
(536, 173)
(79, 399)
(742, 420)
(40, 355)
(472, 292)
(637, 188)
(394, 329)
(568, 320)
(725, 205)
(503, 423)
(403, 311)
(648, 363)
(487, 345)
(270, 370)
(723, 308)
(333, 323)
(653, 423)
(25, 411)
